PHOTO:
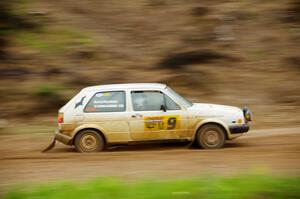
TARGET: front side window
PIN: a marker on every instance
(113, 101)
(147, 100)
(152, 101)
(170, 104)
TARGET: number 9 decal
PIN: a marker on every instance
(171, 123)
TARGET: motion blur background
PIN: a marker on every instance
(240, 53)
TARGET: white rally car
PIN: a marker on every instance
(122, 113)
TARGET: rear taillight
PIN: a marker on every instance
(60, 118)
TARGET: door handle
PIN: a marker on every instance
(137, 115)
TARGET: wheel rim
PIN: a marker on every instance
(88, 142)
(212, 138)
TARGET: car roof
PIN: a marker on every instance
(126, 86)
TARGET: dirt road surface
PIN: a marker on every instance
(272, 150)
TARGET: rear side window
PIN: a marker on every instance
(113, 101)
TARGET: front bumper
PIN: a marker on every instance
(62, 138)
(239, 129)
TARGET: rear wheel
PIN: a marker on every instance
(88, 141)
(211, 136)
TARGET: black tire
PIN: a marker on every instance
(88, 141)
(211, 136)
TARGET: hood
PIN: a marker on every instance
(217, 107)
(225, 113)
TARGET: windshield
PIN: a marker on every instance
(183, 100)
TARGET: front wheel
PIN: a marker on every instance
(88, 141)
(211, 136)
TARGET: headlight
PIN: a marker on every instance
(247, 114)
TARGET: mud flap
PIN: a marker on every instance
(51, 146)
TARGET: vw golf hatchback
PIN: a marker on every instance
(122, 113)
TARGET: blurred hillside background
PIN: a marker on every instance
(240, 53)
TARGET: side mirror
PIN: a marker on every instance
(162, 107)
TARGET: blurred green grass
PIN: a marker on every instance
(53, 39)
(242, 186)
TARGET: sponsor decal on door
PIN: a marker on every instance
(154, 123)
